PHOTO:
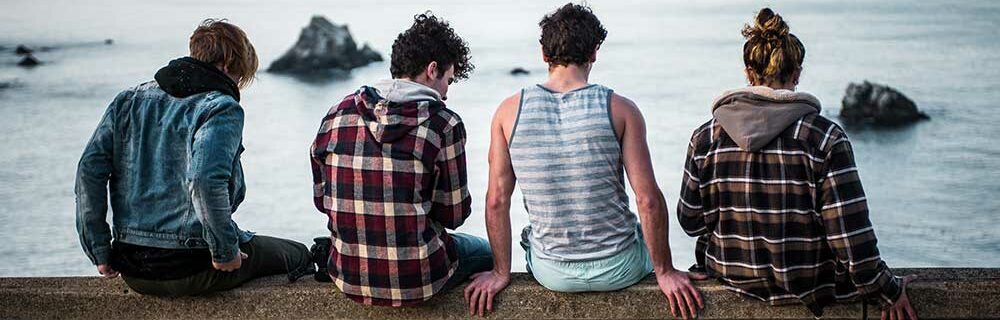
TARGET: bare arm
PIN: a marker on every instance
(652, 207)
(485, 285)
(501, 186)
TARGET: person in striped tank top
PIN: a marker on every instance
(569, 143)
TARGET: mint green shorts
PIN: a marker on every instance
(606, 274)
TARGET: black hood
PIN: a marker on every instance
(187, 76)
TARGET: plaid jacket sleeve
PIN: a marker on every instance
(690, 211)
(319, 180)
(844, 212)
(451, 203)
(317, 156)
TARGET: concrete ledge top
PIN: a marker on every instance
(938, 293)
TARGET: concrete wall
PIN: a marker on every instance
(938, 294)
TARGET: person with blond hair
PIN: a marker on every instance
(169, 153)
(772, 193)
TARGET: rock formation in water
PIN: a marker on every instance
(879, 105)
(22, 50)
(519, 71)
(29, 61)
(324, 47)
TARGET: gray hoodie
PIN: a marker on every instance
(400, 91)
(755, 116)
(393, 108)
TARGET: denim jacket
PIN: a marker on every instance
(172, 166)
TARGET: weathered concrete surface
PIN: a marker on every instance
(938, 294)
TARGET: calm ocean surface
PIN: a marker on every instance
(933, 187)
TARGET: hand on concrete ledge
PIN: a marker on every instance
(681, 294)
(902, 308)
(484, 287)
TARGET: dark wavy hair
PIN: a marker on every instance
(570, 35)
(429, 39)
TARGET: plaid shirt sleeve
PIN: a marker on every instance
(844, 211)
(319, 180)
(317, 155)
(690, 211)
(451, 204)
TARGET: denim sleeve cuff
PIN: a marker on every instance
(225, 255)
(100, 256)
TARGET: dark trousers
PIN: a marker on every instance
(265, 256)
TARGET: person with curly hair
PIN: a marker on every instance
(568, 143)
(772, 193)
(389, 172)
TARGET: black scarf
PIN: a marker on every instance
(187, 76)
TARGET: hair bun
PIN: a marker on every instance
(771, 52)
(767, 25)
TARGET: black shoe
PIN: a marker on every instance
(320, 255)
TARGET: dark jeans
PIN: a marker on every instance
(265, 256)
(474, 256)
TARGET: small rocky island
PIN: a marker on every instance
(323, 49)
(519, 71)
(27, 59)
(879, 105)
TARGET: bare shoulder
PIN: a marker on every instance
(624, 115)
(507, 110)
(624, 108)
(510, 104)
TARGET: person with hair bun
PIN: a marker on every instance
(771, 191)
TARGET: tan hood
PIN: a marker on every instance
(754, 116)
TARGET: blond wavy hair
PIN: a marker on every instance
(771, 52)
(219, 42)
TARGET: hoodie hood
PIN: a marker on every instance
(393, 108)
(187, 76)
(399, 90)
(754, 116)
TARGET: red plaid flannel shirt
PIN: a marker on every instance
(391, 177)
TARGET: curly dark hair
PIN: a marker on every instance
(570, 35)
(429, 39)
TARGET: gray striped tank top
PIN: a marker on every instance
(568, 161)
